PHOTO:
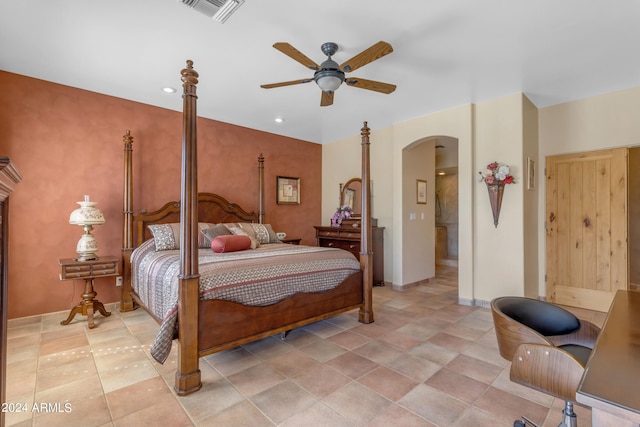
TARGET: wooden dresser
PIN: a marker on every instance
(348, 238)
(9, 177)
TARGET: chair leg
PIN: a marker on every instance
(525, 422)
(569, 418)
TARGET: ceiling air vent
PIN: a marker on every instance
(219, 10)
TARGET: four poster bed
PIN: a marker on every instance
(214, 300)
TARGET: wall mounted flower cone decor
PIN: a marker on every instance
(496, 176)
(496, 191)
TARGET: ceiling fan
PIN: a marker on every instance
(329, 75)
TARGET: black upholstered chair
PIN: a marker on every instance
(548, 348)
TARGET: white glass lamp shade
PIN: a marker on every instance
(86, 216)
(329, 83)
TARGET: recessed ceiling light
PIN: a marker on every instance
(279, 120)
(169, 89)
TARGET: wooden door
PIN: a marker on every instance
(586, 227)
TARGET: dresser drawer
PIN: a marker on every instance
(339, 234)
(347, 245)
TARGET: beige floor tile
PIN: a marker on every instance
(283, 401)
(379, 352)
(317, 415)
(321, 380)
(357, 403)
(64, 373)
(450, 341)
(349, 340)
(292, 363)
(414, 367)
(163, 413)
(388, 383)
(352, 365)
(138, 396)
(457, 385)
(433, 405)
(323, 350)
(89, 412)
(474, 368)
(126, 375)
(507, 407)
(243, 414)
(256, 379)
(210, 400)
(398, 416)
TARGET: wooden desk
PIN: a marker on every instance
(611, 381)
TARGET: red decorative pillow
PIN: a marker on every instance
(230, 243)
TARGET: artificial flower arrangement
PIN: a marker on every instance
(342, 213)
(496, 174)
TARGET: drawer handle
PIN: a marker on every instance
(330, 244)
(352, 246)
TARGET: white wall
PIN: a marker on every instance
(418, 261)
(499, 250)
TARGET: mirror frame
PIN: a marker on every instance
(343, 189)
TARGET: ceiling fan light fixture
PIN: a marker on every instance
(329, 80)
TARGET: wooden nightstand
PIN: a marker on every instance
(291, 240)
(70, 269)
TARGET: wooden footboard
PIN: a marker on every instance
(231, 324)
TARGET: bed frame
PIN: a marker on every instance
(209, 326)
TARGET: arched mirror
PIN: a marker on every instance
(351, 195)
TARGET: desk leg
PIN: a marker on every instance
(87, 306)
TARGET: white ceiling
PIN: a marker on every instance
(446, 53)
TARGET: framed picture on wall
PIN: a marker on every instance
(287, 190)
(421, 191)
(531, 174)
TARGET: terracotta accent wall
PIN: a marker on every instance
(67, 142)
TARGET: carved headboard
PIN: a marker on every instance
(212, 208)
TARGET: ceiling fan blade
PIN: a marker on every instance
(370, 85)
(327, 99)
(293, 82)
(376, 51)
(296, 55)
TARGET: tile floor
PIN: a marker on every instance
(426, 361)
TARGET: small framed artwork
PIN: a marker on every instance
(287, 190)
(421, 191)
(531, 174)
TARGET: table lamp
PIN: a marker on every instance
(86, 216)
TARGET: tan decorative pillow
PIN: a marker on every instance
(166, 236)
(239, 231)
(215, 231)
(265, 233)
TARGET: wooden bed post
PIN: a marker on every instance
(126, 301)
(188, 373)
(261, 189)
(366, 254)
